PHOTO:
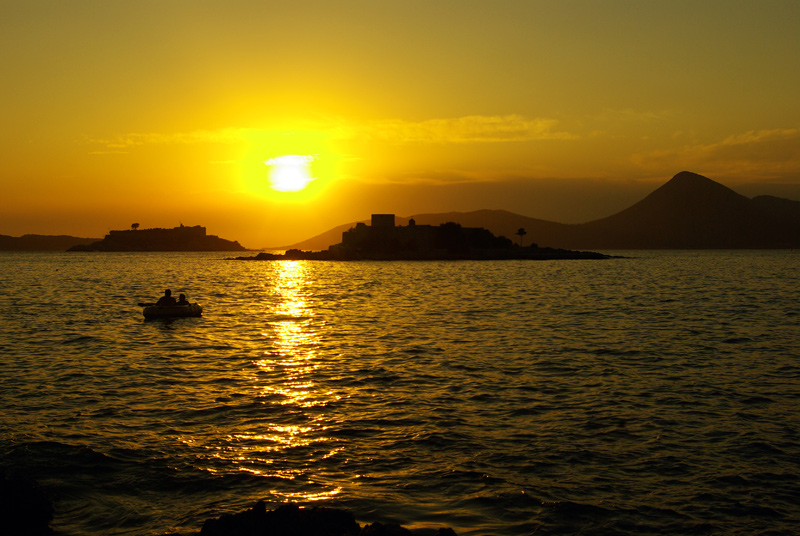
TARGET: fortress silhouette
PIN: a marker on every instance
(384, 240)
(181, 238)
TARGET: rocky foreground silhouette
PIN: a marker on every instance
(291, 520)
(26, 510)
(24, 507)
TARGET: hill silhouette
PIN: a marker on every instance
(690, 211)
(34, 242)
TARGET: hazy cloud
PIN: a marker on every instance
(468, 129)
(224, 136)
(427, 177)
(630, 115)
(755, 154)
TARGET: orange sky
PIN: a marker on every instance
(165, 112)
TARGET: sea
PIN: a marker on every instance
(657, 392)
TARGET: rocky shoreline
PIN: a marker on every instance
(517, 253)
(385, 241)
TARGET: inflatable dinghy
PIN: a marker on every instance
(172, 311)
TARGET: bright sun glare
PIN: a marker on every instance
(290, 173)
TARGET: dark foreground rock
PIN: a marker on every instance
(291, 520)
(24, 508)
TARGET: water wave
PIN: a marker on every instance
(646, 395)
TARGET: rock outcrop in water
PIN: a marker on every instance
(176, 239)
(291, 520)
(24, 508)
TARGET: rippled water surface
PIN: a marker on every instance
(646, 395)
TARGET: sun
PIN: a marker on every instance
(290, 173)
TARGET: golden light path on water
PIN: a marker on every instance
(292, 338)
(284, 377)
(292, 356)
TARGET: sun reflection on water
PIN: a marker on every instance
(293, 339)
(285, 376)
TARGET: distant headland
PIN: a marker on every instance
(35, 242)
(181, 238)
(384, 240)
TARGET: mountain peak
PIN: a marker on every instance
(688, 187)
(685, 176)
(692, 181)
(691, 211)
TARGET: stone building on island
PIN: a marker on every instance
(181, 238)
(384, 238)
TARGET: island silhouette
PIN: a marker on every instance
(384, 240)
(181, 238)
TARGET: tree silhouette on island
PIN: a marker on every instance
(521, 232)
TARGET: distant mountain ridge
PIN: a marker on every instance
(34, 242)
(690, 211)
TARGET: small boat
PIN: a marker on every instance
(172, 311)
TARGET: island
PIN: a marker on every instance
(383, 240)
(181, 238)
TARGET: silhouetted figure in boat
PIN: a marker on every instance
(182, 300)
(166, 299)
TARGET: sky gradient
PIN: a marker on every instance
(166, 112)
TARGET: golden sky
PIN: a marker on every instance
(179, 111)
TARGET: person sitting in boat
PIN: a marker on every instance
(182, 300)
(166, 299)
